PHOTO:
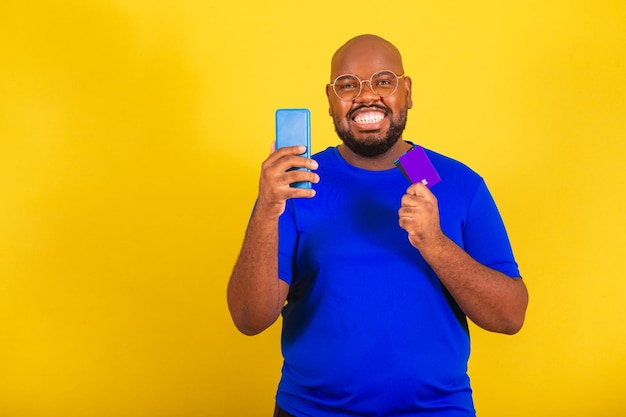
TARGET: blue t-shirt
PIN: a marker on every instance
(369, 330)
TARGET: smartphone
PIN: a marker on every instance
(416, 167)
(293, 127)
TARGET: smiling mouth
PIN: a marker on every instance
(369, 117)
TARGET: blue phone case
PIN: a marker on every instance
(293, 127)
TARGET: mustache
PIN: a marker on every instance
(367, 106)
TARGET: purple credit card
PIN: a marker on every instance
(416, 166)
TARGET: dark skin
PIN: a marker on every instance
(256, 295)
(362, 57)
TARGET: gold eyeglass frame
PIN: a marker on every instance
(369, 81)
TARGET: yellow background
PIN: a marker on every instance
(131, 137)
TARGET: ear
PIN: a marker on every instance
(329, 96)
(408, 84)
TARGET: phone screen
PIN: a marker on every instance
(293, 128)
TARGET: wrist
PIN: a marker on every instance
(432, 246)
(268, 211)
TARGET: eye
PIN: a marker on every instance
(383, 82)
(347, 83)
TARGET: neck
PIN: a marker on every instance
(375, 163)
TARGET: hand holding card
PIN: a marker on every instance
(416, 166)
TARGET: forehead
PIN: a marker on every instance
(365, 57)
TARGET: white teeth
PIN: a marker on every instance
(367, 118)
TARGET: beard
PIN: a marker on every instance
(372, 144)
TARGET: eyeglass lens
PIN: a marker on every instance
(383, 83)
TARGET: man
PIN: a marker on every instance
(374, 277)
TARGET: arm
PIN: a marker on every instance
(255, 294)
(488, 297)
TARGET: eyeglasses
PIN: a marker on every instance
(382, 83)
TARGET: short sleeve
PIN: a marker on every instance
(484, 235)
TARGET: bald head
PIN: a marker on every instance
(370, 122)
(365, 52)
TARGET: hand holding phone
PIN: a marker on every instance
(293, 128)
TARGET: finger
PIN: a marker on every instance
(412, 200)
(302, 162)
(289, 162)
(295, 192)
(301, 176)
(417, 189)
(276, 154)
(284, 158)
(292, 150)
(422, 192)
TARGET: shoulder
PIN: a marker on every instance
(453, 168)
(458, 180)
(448, 163)
(327, 153)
